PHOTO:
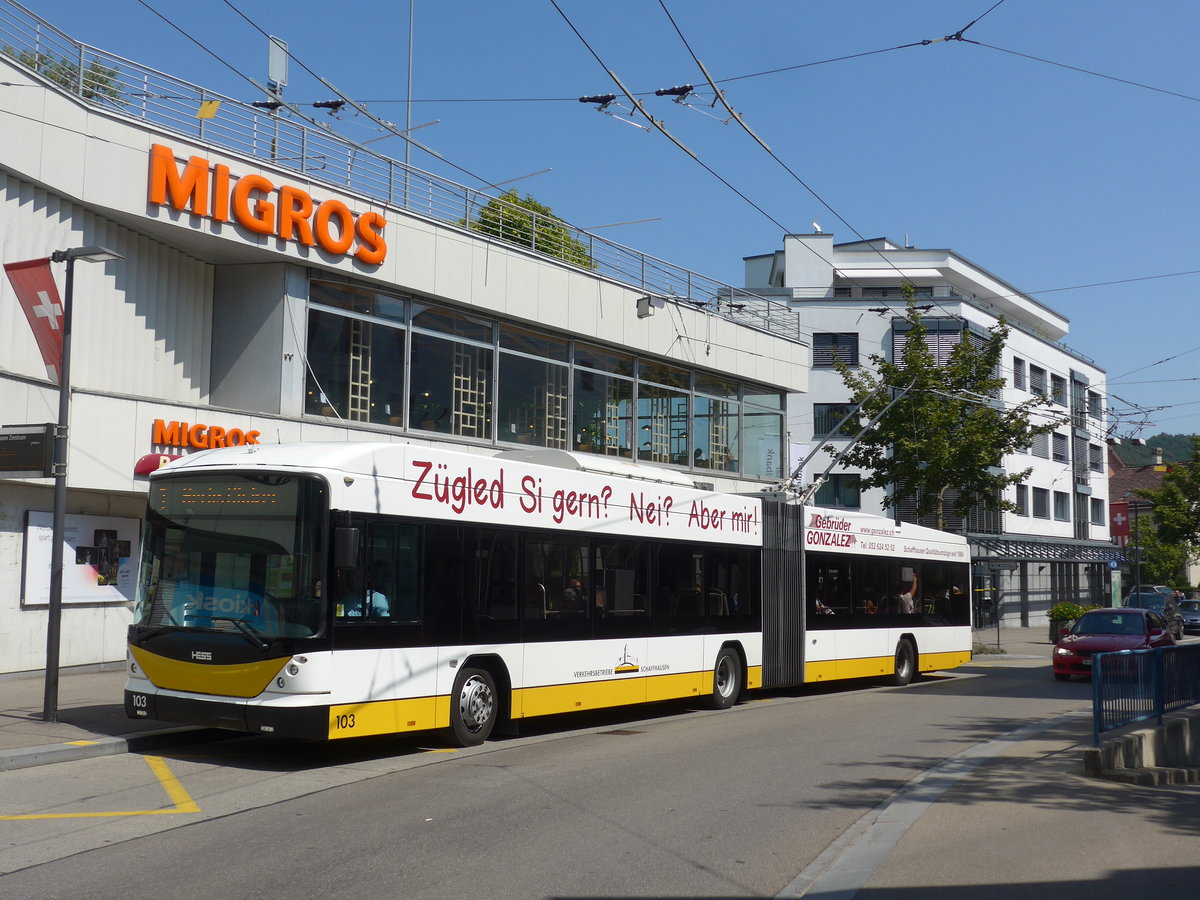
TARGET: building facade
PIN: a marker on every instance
(280, 284)
(1055, 545)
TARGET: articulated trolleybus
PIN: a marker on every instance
(341, 590)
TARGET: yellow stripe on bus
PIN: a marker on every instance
(429, 713)
(873, 666)
(388, 716)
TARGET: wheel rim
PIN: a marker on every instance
(475, 703)
(724, 676)
(904, 663)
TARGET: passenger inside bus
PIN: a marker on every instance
(355, 602)
(573, 597)
(905, 593)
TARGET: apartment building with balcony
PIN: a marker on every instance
(1054, 545)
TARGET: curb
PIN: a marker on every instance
(89, 748)
(1150, 755)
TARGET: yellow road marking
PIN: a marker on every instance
(82, 743)
(175, 791)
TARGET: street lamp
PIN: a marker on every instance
(54, 623)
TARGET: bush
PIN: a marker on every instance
(1065, 611)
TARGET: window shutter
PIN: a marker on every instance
(830, 346)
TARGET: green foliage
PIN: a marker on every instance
(99, 80)
(1163, 562)
(531, 224)
(948, 431)
(1066, 611)
(1177, 503)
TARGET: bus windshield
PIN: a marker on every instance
(233, 552)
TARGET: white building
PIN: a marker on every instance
(280, 284)
(1054, 547)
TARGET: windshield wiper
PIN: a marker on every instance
(246, 630)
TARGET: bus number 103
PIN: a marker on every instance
(344, 722)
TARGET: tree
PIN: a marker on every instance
(1162, 562)
(947, 430)
(99, 81)
(531, 224)
(1177, 503)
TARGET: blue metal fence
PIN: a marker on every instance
(1135, 685)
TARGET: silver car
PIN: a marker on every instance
(1190, 610)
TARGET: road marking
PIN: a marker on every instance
(176, 792)
(846, 865)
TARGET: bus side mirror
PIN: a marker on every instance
(345, 547)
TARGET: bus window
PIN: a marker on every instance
(728, 590)
(622, 576)
(392, 561)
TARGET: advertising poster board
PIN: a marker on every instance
(99, 559)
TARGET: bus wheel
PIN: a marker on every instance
(906, 663)
(473, 707)
(727, 679)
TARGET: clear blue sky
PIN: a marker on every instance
(1046, 176)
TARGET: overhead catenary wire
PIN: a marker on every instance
(659, 126)
(356, 105)
(324, 126)
(741, 122)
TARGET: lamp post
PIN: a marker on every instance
(54, 622)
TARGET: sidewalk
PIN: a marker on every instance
(91, 719)
(1016, 817)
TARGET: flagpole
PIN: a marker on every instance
(54, 621)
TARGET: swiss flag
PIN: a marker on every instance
(35, 287)
(1118, 520)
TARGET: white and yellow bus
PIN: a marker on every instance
(351, 589)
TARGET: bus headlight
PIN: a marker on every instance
(292, 670)
(280, 682)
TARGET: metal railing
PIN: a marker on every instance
(313, 149)
(1134, 685)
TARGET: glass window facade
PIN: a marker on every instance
(400, 361)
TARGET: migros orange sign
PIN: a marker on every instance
(199, 436)
(259, 205)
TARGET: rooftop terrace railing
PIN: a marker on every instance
(289, 140)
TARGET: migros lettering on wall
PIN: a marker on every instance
(259, 205)
(200, 436)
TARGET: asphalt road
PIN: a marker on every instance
(660, 802)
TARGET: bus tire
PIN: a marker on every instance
(728, 679)
(906, 663)
(474, 707)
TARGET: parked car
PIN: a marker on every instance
(1104, 631)
(1151, 589)
(1164, 605)
(1190, 610)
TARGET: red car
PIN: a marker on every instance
(1105, 630)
